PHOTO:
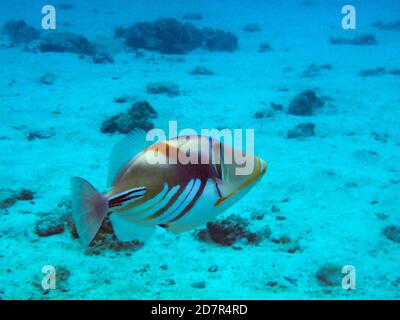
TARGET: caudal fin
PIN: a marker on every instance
(89, 209)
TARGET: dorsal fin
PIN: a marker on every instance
(124, 150)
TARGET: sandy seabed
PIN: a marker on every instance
(332, 194)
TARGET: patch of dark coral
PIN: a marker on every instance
(387, 25)
(25, 195)
(139, 115)
(231, 230)
(124, 99)
(67, 42)
(219, 40)
(379, 71)
(305, 103)
(167, 35)
(19, 32)
(381, 137)
(314, 70)
(9, 197)
(287, 244)
(329, 275)
(163, 87)
(201, 71)
(301, 131)
(268, 113)
(252, 27)
(392, 233)
(360, 40)
(265, 47)
(49, 226)
(40, 134)
(372, 72)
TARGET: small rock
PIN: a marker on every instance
(252, 27)
(169, 88)
(213, 268)
(169, 282)
(143, 269)
(388, 25)
(373, 72)
(138, 116)
(286, 244)
(102, 58)
(67, 42)
(283, 239)
(314, 70)
(392, 233)
(48, 78)
(124, 99)
(290, 280)
(169, 36)
(272, 284)
(202, 71)
(228, 231)
(7, 198)
(361, 40)
(259, 115)
(49, 226)
(257, 215)
(263, 114)
(25, 195)
(165, 35)
(198, 284)
(218, 40)
(275, 209)
(265, 47)
(330, 275)
(301, 131)
(164, 267)
(40, 134)
(305, 103)
(19, 32)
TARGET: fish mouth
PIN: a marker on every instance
(257, 174)
(264, 167)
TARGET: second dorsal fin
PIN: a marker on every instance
(124, 150)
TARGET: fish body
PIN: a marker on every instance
(178, 184)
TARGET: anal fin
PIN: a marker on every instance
(129, 231)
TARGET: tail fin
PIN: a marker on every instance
(89, 209)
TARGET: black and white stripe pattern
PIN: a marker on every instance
(181, 202)
(126, 197)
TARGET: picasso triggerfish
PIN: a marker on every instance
(150, 189)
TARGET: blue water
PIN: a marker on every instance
(330, 196)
